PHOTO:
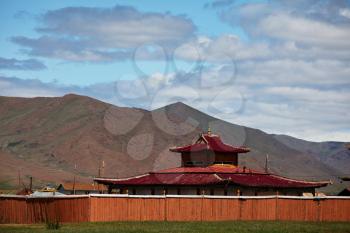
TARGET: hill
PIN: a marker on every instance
(55, 139)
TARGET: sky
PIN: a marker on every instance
(279, 66)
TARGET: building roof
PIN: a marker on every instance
(345, 192)
(213, 175)
(165, 179)
(210, 142)
(82, 187)
(216, 168)
(46, 194)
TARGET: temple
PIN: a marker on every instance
(210, 167)
(209, 150)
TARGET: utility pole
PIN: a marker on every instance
(75, 169)
(266, 163)
(31, 184)
(103, 168)
(100, 172)
(19, 179)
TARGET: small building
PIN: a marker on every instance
(345, 192)
(210, 167)
(41, 193)
(80, 188)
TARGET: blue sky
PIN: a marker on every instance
(280, 66)
(23, 18)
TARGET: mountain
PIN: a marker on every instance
(55, 139)
(334, 154)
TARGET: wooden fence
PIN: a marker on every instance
(100, 208)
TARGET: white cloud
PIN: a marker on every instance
(26, 88)
(310, 32)
(104, 34)
(345, 12)
(230, 47)
(315, 24)
(16, 64)
(294, 72)
(121, 26)
(311, 94)
(222, 48)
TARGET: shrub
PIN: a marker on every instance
(53, 225)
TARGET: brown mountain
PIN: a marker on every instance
(55, 139)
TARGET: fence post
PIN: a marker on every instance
(202, 209)
(165, 208)
(276, 211)
(89, 210)
(240, 208)
(319, 209)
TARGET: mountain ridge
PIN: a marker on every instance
(60, 133)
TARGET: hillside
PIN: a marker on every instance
(46, 137)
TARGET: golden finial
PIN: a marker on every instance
(209, 131)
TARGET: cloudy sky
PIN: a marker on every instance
(280, 66)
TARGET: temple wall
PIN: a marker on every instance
(195, 157)
(216, 190)
(172, 191)
(208, 158)
(226, 158)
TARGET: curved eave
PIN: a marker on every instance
(182, 150)
(200, 179)
(270, 181)
(282, 186)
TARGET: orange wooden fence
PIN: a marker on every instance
(99, 208)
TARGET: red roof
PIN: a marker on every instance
(217, 168)
(269, 180)
(165, 179)
(210, 142)
(216, 174)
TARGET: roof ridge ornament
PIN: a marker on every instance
(209, 131)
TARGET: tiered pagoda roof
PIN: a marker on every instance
(210, 142)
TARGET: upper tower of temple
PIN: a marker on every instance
(207, 150)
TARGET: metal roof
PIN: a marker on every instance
(210, 142)
(213, 175)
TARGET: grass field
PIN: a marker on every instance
(172, 227)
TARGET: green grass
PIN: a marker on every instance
(172, 227)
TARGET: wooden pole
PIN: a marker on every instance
(19, 180)
(103, 168)
(75, 168)
(100, 173)
(266, 163)
(31, 184)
